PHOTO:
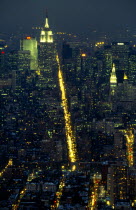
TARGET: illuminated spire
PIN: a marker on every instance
(46, 33)
(125, 77)
(113, 78)
(46, 20)
(113, 68)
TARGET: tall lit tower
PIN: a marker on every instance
(120, 55)
(30, 44)
(113, 80)
(46, 34)
(47, 54)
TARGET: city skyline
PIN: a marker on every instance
(68, 117)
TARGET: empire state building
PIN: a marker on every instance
(46, 33)
(47, 54)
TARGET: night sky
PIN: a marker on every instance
(67, 15)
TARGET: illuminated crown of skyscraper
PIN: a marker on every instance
(125, 77)
(46, 34)
(113, 78)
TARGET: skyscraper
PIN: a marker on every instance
(23, 60)
(47, 54)
(46, 34)
(30, 44)
(2, 61)
(132, 68)
(120, 53)
(113, 80)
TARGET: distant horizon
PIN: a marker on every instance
(88, 33)
(72, 16)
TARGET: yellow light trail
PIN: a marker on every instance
(94, 196)
(59, 193)
(23, 192)
(10, 163)
(130, 142)
(71, 141)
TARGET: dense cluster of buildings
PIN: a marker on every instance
(100, 96)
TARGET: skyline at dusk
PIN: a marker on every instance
(68, 105)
